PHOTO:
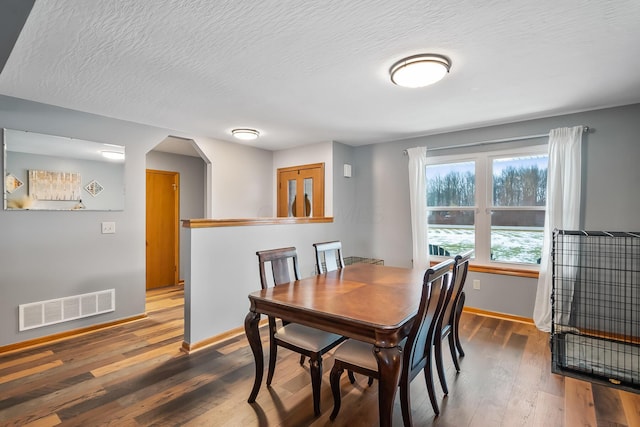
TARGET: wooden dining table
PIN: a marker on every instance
(371, 303)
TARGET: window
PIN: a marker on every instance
(451, 192)
(491, 202)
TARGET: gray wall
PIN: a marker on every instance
(192, 179)
(610, 192)
(53, 254)
(49, 254)
(344, 192)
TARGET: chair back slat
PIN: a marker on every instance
(460, 269)
(330, 261)
(453, 290)
(280, 267)
(328, 256)
(421, 336)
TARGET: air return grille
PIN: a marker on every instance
(43, 313)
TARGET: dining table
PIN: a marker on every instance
(371, 303)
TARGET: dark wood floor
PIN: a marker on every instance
(135, 375)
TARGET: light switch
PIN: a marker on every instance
(108, 227)
(347, 170)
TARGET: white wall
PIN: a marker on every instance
(223, 270)
(239, 179)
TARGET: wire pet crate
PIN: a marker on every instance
(595, 330)
(361, 260)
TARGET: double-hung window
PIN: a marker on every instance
(492, 202)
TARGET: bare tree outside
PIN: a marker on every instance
(518, 198)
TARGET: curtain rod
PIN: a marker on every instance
(585, 129)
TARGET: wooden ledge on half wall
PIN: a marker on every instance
(241, 222)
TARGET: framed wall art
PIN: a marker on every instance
(48, 185)
(12, 183)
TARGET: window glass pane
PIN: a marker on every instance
(451, 184)
(308, 191)
(520, 181)
(516, 235)
(292, 188)
(451, 231)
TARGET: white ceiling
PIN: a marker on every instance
(307, 71)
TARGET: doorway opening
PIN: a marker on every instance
(176, 189)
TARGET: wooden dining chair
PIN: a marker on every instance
(328, 256)
(416, 354)
(450, 316)
(304, 340)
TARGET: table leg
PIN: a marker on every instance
(389, 367)
(253, 336)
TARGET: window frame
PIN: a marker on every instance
(484, 199)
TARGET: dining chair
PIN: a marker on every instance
(450, 316)
(328, 256)
(416, 354)
(301, 339)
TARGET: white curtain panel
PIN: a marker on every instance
(562, 212)
(418, 198)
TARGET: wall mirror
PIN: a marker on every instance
(46, 172)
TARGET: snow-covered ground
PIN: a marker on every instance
(510, 245)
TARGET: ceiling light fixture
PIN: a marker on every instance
(112, 155)
(245, 134)
(419, 70)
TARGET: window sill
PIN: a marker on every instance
(505, 271)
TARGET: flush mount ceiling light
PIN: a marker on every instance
(419, 70)
(245, 134)
(112, 155)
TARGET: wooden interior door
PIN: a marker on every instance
(163, 217)
(301, 191)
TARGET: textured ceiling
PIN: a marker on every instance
(306, 71)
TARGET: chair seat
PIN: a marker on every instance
(306, 337)
(357, 353)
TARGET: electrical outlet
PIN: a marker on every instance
(109, 227)
(476, 284)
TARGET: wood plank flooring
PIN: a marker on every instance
(135, 375)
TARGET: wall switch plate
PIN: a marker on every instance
(476, 284)
(109, 227)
